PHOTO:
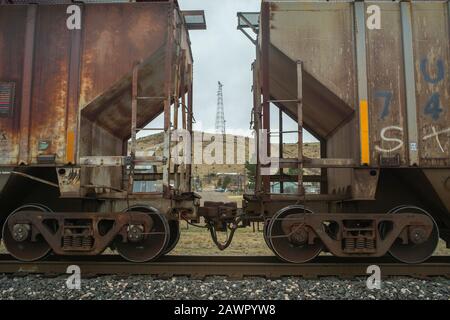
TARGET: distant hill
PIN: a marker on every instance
(154, 144)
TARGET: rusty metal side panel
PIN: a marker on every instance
(432, 70)
(50, 84)
(339, 180)
(112, 108)
(115, 37)
(100, 142)
(321, 35)
(386, 91)
(186, 63)
(12, 37)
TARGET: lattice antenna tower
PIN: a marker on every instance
(220, 117)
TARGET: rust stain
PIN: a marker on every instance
(150, 23)
(50, 106)
(274, 6)
(86, 80)
(115, 37)
(12, 34)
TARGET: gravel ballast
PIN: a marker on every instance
(145, 287)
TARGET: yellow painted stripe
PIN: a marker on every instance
(70, 147)
(364, 131)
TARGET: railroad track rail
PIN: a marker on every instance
(236, 267)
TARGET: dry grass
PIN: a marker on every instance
(195, 241)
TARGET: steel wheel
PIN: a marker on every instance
(414, 252)
(152, 245)
(26, 249)
(292, 246)
(174, 226)
(266, 233)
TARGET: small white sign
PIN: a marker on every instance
(413, 146)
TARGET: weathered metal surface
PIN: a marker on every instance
(12, 38)
(300, 157)
(35, 178)
(328, 37)
(49, 84)
(265, 82)
(235, 267)
(440, 181)
(143, 29)
(361, 68)
(115, 37)
(317, 99)
(111, 108)
(365, 182)
(71, 150)
(321, 35)
(69, 182)
(316, 163)
(58, 239)
(408, 60)
(118, 161)
(399, 72)
(27, 84)
(60, 72)
(386, 94)
(167, 93)
(298, 235)
(359, 100)
(432, 66)
(83, 93)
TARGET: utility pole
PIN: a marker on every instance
(220, 117)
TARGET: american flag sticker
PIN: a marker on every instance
(6, 98)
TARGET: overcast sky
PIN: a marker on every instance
(223, 53)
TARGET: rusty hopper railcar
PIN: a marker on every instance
(77, 82)
(378, 100)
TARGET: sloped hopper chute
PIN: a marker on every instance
(323, 111)
(111, 110)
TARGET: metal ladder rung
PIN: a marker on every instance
(149, 98)
(289, 100)
(150, 129)
(278, 132)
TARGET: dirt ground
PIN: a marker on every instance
(195, 241)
